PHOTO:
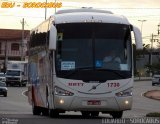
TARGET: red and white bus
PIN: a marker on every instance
(67, 71)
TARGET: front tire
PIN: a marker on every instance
(45, 112)
(85, 113)
(153, 84)
(53, 113)
(117, 114)
(20, 84)
(24, 85)
(94, 114)
(36, 110)
(5, 94)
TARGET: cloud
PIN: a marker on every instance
(34, 16)
(120, 3)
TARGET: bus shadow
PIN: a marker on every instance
(68, 116)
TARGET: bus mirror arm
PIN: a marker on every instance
(138, 38)
(52, 38)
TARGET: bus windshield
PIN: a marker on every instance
(99, 49)
(13, 73)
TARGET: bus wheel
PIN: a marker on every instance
(53, 113)
(94, 114)
(20, 84)
(36, 110)
(24, 85)
(117, 114)
(85, 113)
(45, 112)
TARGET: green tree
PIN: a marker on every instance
(153, 67)
(137, 54)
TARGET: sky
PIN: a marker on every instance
(134, 10)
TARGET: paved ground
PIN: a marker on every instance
(153, 94)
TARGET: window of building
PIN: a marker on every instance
(0, 48)
(15, 46)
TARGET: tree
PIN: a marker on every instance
(146, 49)
(137, 54)
(153, 67)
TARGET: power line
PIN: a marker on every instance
(155, 16)
(144, 16)
(122, 8)
(131, 8)
(21, 16)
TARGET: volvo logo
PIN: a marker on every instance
(93, 87)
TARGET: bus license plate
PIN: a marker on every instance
(94, 102)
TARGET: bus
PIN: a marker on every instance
(67, 71)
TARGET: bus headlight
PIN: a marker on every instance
(124, 93)
(61, 101)
(62, 92)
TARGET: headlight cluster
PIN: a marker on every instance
(124, 93)
(4, 89)
(62, 92)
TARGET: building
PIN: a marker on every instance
(11, 45)
(145, 59)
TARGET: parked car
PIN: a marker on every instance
(156, 78)
(2, 77)
(3, 89)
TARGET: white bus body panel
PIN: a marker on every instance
(138, 38)
(83, 93)
(90, 17)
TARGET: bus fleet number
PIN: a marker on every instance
(113, 84)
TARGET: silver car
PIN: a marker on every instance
(2, 77)
(156, 78)
(3, 89)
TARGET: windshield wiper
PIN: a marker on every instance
(113, 71)
(73, 71)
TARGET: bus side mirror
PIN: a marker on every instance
(138, 38)
(52, 38)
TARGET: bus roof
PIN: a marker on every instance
(88, 15)
(83, 10)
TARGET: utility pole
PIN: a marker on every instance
(22, 42)
(142, 24)
(152, 40)
(142, 38)
(45, 11)
(6, 58)
(159, 29)
(55, 6)
(150, 57)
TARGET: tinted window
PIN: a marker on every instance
(85, 45)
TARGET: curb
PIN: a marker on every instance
(25, 93)
(153, 94)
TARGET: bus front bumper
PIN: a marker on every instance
(69, 103)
